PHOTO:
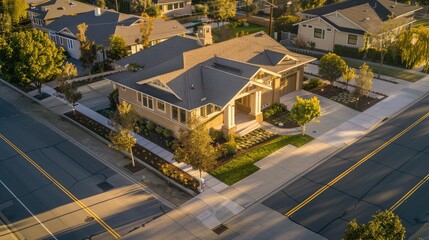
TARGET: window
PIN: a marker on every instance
(309, 26)
(203, 111)
(352, 39)
(304, 25)
(139, 97)
(123, 88)
(175, 113)
(160, 105)
(147, 101)
(181, 5)
(61, 41)
(176, 5)
(170, 6)
(70, 44)
(182, 116)
(209, 109)
(319, 33)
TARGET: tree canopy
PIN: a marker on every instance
(414, 45)
(348, 74)
(383, 225)
(5, 24)
(221, 10)
(305, 110)
(88, 50)
(285, 23)
(31, 57)
(331, 67)
(117, 48)
(195, 147)
(68, 71)
(310, 4)
(363, 81)
(72, 95)
(16, 9)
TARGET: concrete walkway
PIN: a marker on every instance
(247, 219)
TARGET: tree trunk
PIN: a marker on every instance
(132, 157)
(303, 130)
(74, 109)
(357, 102)
(200, 173)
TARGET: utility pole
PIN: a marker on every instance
(271, 18)
(117, 9)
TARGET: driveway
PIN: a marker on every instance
(333, 113)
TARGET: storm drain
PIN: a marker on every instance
(220, 229)
(105, 186)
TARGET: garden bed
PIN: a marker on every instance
(41, 96)
(346, 98)
(242, 166)
(254, 139)
(140, 152)
(282, 120)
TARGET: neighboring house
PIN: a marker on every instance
(102, 24)
(345, 23)
(43, 13)
(184, 77)
(174, 8)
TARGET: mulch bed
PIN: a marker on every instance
(134, 169)
(282, 117)
(344, 97)
(140, 152)
(41, 96)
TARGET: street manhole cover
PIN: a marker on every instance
(89, 219)
(105, 186)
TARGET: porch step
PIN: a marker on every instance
(250, 126)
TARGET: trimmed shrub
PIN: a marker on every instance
(273, 110)
(216, 135)
(167, 133)
(229, 148)
(313, 83)
(159, 129)
(150, 126)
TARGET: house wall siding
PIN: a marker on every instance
(187, 10)
(308, 33)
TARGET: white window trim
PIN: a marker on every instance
(61, 40)
(139, 95)
(160, 110)
(357, 39)
(144, 96)
(322, 33)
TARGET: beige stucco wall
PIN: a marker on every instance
(341, 38)
(187, 10)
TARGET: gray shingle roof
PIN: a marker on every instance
(110, 22)
(58, 8)
(367, 14)
(215, 73)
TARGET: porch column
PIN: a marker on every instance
(255, 105)
(229, 120)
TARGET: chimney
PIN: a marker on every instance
(97, 12)
(204, 34)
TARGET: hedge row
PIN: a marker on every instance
(371, 55)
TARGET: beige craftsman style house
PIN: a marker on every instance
(222, 84)
(345, 23)
(104, 23)
(174, 8)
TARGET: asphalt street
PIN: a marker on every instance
(52, 189)
(377, 183)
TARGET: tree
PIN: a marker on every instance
(221, 10)
(122, 139)
(17, 9)
(348, 74)
(310, 4)
(32, 58)
(88, 50)
(305, 110)
(331, 67)
(100, 3)
(69, 71)
(5, 24)
(381, 42)
(250, 7)
(413, 44)
(137, 6)
(285, 23)
(146, 30)
(383, 225)
(195, 147)
(117, 48)
(201, 9)
(72, 95)
(363, 82)
(126, 122)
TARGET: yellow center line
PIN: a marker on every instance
(357, 164)
(409, 193)
(62, 188)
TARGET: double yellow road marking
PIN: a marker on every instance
(357, 164)
(62, 188)
(409, 193)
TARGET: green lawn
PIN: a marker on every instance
(227, 32)
(407, 76)
(242, 166)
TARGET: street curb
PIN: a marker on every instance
(169, 180)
